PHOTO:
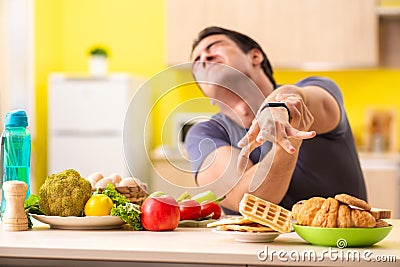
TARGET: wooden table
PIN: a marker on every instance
(196, 246)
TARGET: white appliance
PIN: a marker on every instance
(86, 124)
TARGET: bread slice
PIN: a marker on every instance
(237, 220)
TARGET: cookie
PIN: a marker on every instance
(308, 210)
(380, 213)
(362, 219)
(353, 201)
(344, 216)
(381, 223)
(327, 214)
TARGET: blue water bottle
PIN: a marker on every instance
(15, 151)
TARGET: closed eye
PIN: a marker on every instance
(208, 48)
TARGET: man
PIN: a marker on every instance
(298, 147)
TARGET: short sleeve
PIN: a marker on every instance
(202, 139)
(335, 91)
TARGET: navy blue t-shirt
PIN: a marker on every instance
(327, 164)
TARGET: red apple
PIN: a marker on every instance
(160, 213)
(190, 209)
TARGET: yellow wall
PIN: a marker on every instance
(134, 33)
(47, 59)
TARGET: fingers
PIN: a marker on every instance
(282, 138)
(296, 134)
(267, 132)
(283, 141)
(283, 97)
(285, 144)
(242, 159)
(244, 155)
(276, 129)
(251, 135)
(282, 135)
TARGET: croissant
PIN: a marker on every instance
(342, 211)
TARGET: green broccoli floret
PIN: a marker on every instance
(64, 194)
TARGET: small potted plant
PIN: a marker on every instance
(98, 61)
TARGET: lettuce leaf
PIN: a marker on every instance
(31, 205)
(129, 213)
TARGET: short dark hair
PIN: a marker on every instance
(244, 42)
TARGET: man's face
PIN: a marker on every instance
(222, 50)
(223, 73)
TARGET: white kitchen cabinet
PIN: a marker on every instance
(300, 34)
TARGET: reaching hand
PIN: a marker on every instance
(272, 124)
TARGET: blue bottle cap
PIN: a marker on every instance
(16, 118)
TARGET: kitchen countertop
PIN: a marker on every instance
(199, 246)
(379, 160)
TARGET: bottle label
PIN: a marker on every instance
(15, 159)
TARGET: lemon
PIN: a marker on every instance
(98, 205)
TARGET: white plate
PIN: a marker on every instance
(81, 223)
(250, 236)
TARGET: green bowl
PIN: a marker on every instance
(342, 237)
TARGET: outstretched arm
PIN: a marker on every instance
(313, 110)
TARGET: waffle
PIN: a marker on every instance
(265, 213)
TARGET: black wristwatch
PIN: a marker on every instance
(276, 105)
